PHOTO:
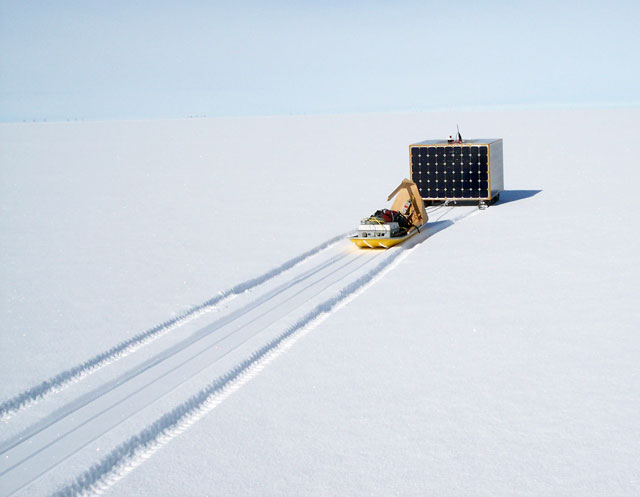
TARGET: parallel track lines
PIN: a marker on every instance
(60, 452)
(59, 381)
(172, 423)
(162, 356)
(66, 431)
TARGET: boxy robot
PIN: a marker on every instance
(450, 172)
(458, 171)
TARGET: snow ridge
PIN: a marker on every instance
(139, 447)
(126, 347)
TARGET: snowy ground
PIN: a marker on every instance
(496, 355)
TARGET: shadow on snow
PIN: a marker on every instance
(513, 195)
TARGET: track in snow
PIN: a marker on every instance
(227, 349)
(122, 349)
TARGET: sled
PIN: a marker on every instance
(379, 231)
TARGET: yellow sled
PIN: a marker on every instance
(382, 242)
(375, 233)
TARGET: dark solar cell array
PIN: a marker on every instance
(451, 172)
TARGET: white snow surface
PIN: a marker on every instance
(495, 354)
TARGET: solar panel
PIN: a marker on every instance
(468, 171)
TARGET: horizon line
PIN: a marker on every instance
(398, 110)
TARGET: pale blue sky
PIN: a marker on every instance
(148, 59)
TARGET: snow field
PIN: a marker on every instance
(498, 357)
(65, 432)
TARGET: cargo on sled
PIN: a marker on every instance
(389, 227)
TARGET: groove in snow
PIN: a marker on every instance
(140, 447)
(126, 347)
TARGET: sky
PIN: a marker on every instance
(70, 60)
